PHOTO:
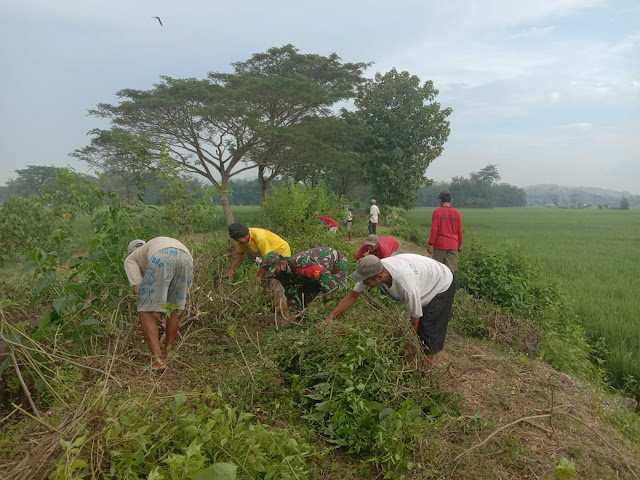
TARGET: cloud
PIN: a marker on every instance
(534, 32)
(571, 155)
(575, 126)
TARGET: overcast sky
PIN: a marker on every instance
(547, 90)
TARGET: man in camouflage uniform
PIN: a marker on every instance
(306, 274)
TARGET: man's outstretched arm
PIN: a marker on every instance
(345, 304)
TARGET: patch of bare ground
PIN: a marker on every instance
(537, 415)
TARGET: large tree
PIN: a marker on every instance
(507, 195)
(122, 157)
(216, 126)
(331, 155)
(202, 126)
(482, 190)
(291, 90)
(405, 130)
(31, 180)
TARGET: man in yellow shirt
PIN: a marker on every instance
(257, 240)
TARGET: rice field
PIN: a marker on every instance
(593, 254)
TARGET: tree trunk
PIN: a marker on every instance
(224, 199)
(264, 184)
(265, 181)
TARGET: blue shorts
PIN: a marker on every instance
(167, 279)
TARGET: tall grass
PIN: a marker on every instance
(594, 254)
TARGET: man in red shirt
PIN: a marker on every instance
(329, 223)
(381, 247)
(445, 240)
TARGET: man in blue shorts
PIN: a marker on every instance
(161, 272)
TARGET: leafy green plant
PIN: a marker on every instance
(27, 223)
(412, 233)
(394, 216)
(186, 438)
(346, 388)
(516, 285)
(508, 279)
(192, 212)
(564, 344)
(71, 194)
(294, 209)
(565, 470)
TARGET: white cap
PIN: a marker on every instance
(133, 244)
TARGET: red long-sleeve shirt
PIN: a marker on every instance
(446, 229)
(386, 246)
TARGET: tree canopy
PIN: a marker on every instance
(122, 156)
(229, 123)
(31, 180)
(405, 129)
(482, 190)
(275, 113)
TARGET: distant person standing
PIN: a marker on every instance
(348, 221)
(374, 215)
(445, 240)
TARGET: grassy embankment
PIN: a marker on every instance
(487, 413)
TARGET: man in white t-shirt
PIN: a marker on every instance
(425, 286)
(374, 215)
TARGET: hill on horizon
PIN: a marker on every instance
(544, 194)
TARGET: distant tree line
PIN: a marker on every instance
(579, 197)
(480, 190)
(41, 180)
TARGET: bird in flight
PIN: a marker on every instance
(160, 21)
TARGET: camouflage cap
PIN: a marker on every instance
(270, 262)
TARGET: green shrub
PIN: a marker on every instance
(293, 210)
(346, 386)
(412, 233)
(507, 279)
(394, 216)
(191, 212)
(27, 223)
(564, 344)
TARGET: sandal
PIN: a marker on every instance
(161, 369)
